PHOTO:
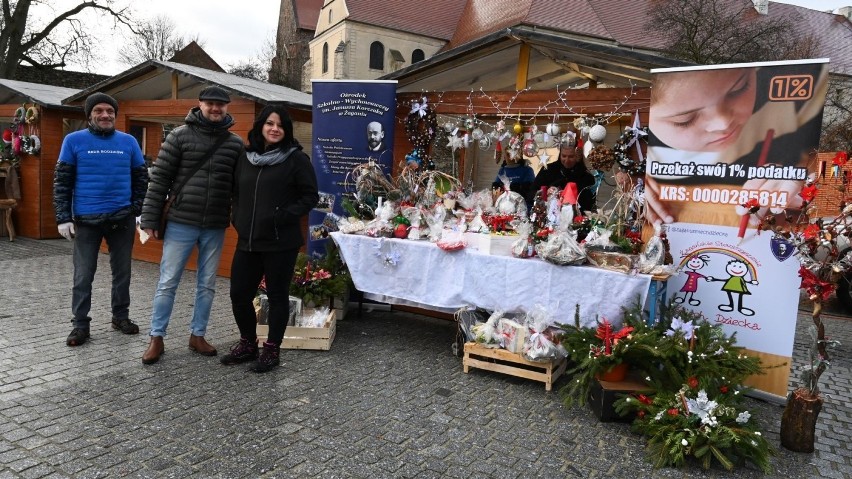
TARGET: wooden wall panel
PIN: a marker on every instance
(34, 216)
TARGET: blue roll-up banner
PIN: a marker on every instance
(353, 122)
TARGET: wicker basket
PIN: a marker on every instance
(614, 261)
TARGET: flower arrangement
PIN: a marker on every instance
(595, 351)
(695, 408)
(692, 422)
(318, 280)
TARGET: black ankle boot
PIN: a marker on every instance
(268, 358)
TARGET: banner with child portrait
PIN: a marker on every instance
(728, 145)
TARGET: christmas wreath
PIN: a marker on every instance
(420, 127)
(631, 138)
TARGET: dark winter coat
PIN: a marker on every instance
(555, 174)
(205, 199)
(269, 202)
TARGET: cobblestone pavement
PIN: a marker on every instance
(388, 400)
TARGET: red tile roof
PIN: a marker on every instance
(620, 21)
(432, 18)
(833, 31)
(307, 13)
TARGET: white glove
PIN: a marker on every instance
(67, 230)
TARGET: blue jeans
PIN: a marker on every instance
(87, 243)
(177, 246)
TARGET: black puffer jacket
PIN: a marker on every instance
(270, 201)
(205, 199)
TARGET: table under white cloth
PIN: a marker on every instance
(418, 273)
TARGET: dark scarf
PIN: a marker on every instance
(96, 130)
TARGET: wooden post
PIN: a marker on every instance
(523, 66)
(798, 422)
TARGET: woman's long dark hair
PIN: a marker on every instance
(255, 136)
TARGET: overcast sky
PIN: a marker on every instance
(233, 31)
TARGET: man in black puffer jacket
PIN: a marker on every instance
(202, 155)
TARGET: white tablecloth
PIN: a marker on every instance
(421, 274)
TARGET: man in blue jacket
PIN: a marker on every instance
(98, 188)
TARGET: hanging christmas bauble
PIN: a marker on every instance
(597, 133)
(449, 126)
(552, 129)
(477, 134)
(518, 128)
(540, 139)
(530, 148)
(485, 142)
(469, 123)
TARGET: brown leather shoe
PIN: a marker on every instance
(201, 346)
(154, 351)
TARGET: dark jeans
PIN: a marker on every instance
(247, 269)
(119, 238)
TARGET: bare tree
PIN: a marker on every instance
(56, 39)
(157, 39)
(837, 116)
(731, 31)
(725, 31)
(257, 67)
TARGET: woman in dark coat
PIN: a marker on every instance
(275, 187)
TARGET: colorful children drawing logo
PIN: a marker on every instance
(740, 274)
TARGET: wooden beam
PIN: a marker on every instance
(174, 86)
(523, 66)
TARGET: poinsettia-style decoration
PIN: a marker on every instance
(609, 337)
(815, 286)
(811, 231)
(808, 193)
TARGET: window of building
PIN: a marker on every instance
(417, 56)
(377, 56)
(324, 57)
(330, 16)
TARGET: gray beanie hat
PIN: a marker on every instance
(96, 98)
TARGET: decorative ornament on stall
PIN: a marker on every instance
(530, 148)
(632, 137)
(413, 159)
(601, 158)
(420, 127)
(518, 128)
(553, 128)
(582, 127)
(514, 147)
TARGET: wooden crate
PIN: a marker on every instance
(513, 364)
(604, 393)
(305, 338)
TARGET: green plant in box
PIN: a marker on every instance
(594, 351)
(315, 283)
(696, 410)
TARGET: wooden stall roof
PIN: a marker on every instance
(554, 59)
(156, 80)
(13, 91)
